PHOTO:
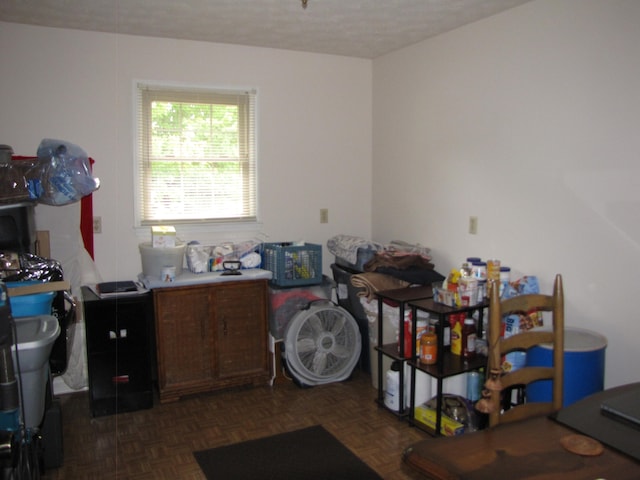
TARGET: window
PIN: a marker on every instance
(196, 156)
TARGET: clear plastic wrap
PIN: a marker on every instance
(59, 175)
(210, 258)
(14, 187)
(33, 267)
(62, 173)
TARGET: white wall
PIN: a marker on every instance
(314, 129)
(529, 121)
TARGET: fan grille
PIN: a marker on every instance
(322, 344)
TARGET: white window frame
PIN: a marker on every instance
(145, 92)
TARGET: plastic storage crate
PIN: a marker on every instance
(293, 265)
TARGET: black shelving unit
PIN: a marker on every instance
(120, 336)
(395, 351)
(448, 364)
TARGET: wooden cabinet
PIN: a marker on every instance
(211, 336)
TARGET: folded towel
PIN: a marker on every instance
(372, 282)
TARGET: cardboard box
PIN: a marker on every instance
(448, 427)
(163, 236)
(43, 244)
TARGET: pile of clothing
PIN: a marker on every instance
(401, 260)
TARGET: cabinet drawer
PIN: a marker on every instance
(112, 376)
(123, 327)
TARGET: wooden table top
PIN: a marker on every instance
(529, 449)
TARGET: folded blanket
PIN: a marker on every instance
(401, 262)
(372, 282)
(346, 246)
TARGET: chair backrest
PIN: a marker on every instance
(499, 381)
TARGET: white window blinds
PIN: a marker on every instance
(196, 155)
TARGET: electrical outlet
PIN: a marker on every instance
(473, 225)
(97, 224)
(324, 215)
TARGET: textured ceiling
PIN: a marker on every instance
(356, 28)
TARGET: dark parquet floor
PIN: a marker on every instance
(158, 443)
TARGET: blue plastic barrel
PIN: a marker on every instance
(584, 359)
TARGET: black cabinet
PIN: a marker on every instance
(120, 334)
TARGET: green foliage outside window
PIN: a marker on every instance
(198, 163)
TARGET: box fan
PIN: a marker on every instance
(322, 344)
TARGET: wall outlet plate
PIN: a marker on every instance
(473, 225)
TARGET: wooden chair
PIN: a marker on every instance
(499, 382)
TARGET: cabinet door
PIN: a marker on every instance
(119, 382)
(241, 330)
(118, 325)
(184, 338)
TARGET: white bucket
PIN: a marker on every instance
(155, 259)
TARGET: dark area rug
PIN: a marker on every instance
(309, 454)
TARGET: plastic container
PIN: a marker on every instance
(466, 295)
(364, 255)
(493, 269)
(465, 270)
(422, 326)
(29, 305)
(392, 393)
(293, 265)
(474, 386)
(479, 270)
(428, 349)
(347, 296)
(469, 338)
(445, 296)
(505, 278)
(154, 259)
(284, 303)
(390, 334)
(35, 338)
(584, 360)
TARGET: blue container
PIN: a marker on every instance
(30, 305)
(584, 358)
(293, 265)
